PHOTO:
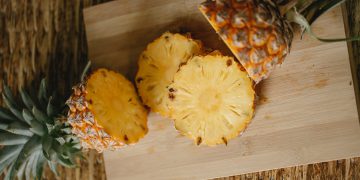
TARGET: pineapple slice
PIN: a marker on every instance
(157, 66)
(211, 99)
(106, 113)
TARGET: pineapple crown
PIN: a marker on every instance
(305, 12)
(34, 132)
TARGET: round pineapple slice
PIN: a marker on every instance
(211, 99)
(157, 66)
(106, 113)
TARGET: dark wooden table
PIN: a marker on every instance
(41, 38)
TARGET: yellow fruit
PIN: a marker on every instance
(106, 113)
(157, 66)
(211, 99)
(253, 30)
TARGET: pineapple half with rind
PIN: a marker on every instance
(211, 99)
(106, 113)
(158, 64)
(253, 30)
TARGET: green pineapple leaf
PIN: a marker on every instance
(6, 116)
(29, 166)
(21, 172)
(19, 128)
(40, 166)
(27, 151)
(8, 152)
(46, 145)
(12, 107)
(6, 163)
(50, 109)
(28, 117)
(7, 139)
(42, 94)
(10, 175)
(38, 128)
(65, 162)
(53, 167)
(26, 99)
(7, 94)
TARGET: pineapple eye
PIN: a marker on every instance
(240, 19)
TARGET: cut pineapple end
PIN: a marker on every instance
(115, 105)
(157, 66)
(211, 99)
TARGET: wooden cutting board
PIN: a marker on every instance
(306, 111)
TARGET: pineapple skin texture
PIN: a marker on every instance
(211, 99)
(253, 30)
(99, 112)
(158, 64)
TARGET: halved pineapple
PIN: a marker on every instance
(211, 99)
(106, 113)
(157, 66)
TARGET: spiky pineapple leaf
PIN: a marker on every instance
(9, 175)
(19, 128)
(6, 163)
(8, 95)
(65, 162)
(21, 172)
(12, 107)
(38, 169)
(29, 148)
(3, 125)
(38, 128)
(50, 109)
(7, 139)
(8, 152)
(5, 115)
(53, 167)
(46, 145)
(29, 166)
(29, 103)
(42, 94)
(28, 117)
(39, 115)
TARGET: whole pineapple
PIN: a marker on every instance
(258, 32)
(211, 99)
(105, 112)
(34, 132)
(157, 66)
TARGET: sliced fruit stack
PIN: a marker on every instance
(209, 96)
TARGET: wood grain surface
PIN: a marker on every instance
(306, 110)
(39, 38)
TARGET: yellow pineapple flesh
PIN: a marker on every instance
(253, 30)
(106, 113)
(157, 66)
(211, 99)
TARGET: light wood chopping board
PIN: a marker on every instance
(306, 111)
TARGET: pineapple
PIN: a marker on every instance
(157, 66)
(106, 113)
(258, 32)
(211, 99)
(34, 133)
